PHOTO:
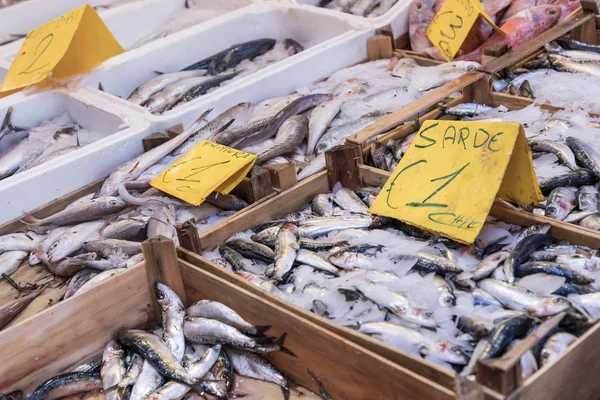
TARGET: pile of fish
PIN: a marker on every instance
(520, 20)
(361, 8)
(197, 351)
(563, 145)
(451, 303)
(300, 127)
(24, 148)
(566, 75)
(169, 90)
(99, 235)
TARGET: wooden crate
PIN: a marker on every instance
(261, 186)
(78, 329)
(502, 379)
(579, 21)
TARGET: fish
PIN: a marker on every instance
(161, 100)
(132, 169)
(523, 300)
(286, 248)
(426, 78)
(561, 202)
(252, 249)
(232, 117)
(295, 107)
(143, 92)
(322, 205)
(562, 151)
(488, 265)
(551, 268)
(574, 179)
(220, 312)
(78, 280)
(431, 263)
(232, 56)
(476, 327)
(467, 109)
(156, 351)
(591, 222)
(571, 44)
(113, 369)
(521, 252)
(147, 383)
(26, 241)
(97, 208)
(211, 331)
(173, 314)
(230, 136)
(162, 223)
(349, 201)
(125, 229)
(338, 134)
(587, 198)
(132, 371)
(419, 18)
(565, 64)
(289, 136)
(67, 384)
(555, 346)
(578, 216)
(585, 154)
(201, 89)
(12, 309)
(362, 7)
(239, 262)
(106, 247)
(320, 118)
(503, 334)
(254, 366)
(229, 202)
(312, 259)
(316, 227)
(11, 261)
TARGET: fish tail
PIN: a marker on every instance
(29, 219)
(280, 343)
(262, 328)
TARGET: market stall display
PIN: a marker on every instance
(392, 310)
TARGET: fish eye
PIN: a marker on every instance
(420, 6)
(160, 295)
(552, 12)
(114, 202)
(557, 300)
(471, 68)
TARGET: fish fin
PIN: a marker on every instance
(280, 342)
(159, 73)
(29, 219)
(351, 295)
(187, 4)
(6, 124)
(286, 392)
(262, 328)
(101, 87)
(227, 125)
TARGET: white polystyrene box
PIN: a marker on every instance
(40, 185)
(122, 74)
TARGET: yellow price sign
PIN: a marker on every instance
(208, 167)
(69, 45)
(448, 179)
(452, 24)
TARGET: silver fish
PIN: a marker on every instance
(316, 227)
(125, 229)
(523, 300)
(591, 222)
(162, 99)
(286, 248)
(107, 247)
(73, 239)
(562, 151)
(113, 369)
(488, 265)
(220, 312)
(349, 201)
(11, 261)
(316, 165)
(322, 204)
(27, 241)
(555, 346)
(147, 383)
(320, 118)
(253, 366)
(314, 260)
(148, 88)
(94, 209)
(290, 135)
(585, 154)
(336, 135)
(578, 216)
(156, 351)
(561, 202)
(173, 314)
(587, 198)
(98, 279)
(210, 331)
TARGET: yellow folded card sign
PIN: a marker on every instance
(448, 179)
(207, 168)
(69, 45)
(452, 23)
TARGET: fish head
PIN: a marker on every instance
(450, 353)
(467, 66)
(166, 297)
(566, 6)
(60, 249)
(553, 305)
(420, 13)
(543, 17)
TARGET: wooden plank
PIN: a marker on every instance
(572, 376)
(154, 140)
(402, 41)
(480, 91)
(346, 370)
(586, 32)
(51, 208)
(379, 46)
(175, 130)
(286, 202)
(283, 176)
(160, 258)
(396, 118)
(466, 389)
(44, 345)
(256, 187)
(188, 236)
(342, 165)
(590, 5)
(538, 42)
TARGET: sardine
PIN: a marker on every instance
(220, 312)
(322, 204)
(522, 300)
(156, 351)
(113, 369)
(210, 331)
(148, 88)
(551, 268)
(286, 248)
(431, 263)
(320, 118)
(254, 366)
(252, 249)
(555, 346)
(561, 202)
(232, 56)
(173, 314)
(587, 198)
(147, 383)
(521, 252)
(504, 334)
(488, 265)
(349, 201)
(67, 384)
(585, 154)
(289, 136)
(562, 151)
(574, 179)
(314, 260)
